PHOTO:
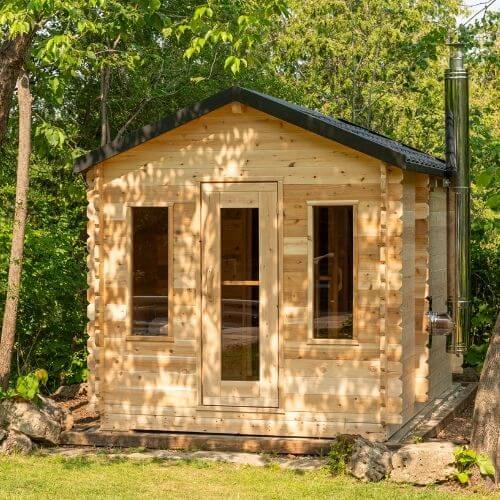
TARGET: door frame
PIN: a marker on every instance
(280, 246)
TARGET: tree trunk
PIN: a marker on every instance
(12, 56)
(486, 418)
(105, 132)
(20, 212)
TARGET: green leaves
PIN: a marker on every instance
(235, 30)
(494, 202)
(27, 386)
(485, 465)
(54, 135)
(234, 64)
(465, 459)
(204, 10)
(167, 31)
(197, 44)
(463, 477)
(476, 355)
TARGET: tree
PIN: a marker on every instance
(13, 54)
(486, 418)
(377, 63)
(16, 254)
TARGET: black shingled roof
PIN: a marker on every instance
(344, 132)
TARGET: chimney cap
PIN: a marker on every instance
(457, 50)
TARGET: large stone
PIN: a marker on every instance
(423, 463)
(40, 423)
(3, 434)
(365, 460)
(369, 461)
(57, 413)
(16, 442)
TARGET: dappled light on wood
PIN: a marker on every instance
(233, 285)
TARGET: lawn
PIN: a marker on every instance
(102, 477)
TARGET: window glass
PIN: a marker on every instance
(240, 293)
(150, 271)
(333, 272)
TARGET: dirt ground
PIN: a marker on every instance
(460, 428)
(83, 417)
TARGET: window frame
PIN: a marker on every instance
(310, 271)
(129, 335)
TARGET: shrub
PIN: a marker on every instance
(27, 386)
(466, 459)
(339, 454)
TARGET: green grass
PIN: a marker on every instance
(101, 477)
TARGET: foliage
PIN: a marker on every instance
(27, 386)
(466, 459)
(53, 291)
(238, 26)
(483, 63)
(339, 454)
(475, 356)
(376, 63)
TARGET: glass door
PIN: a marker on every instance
(240, 294)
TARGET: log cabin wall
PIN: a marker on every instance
(325, 388)
(440, 369)
(94, 342)
(408, 297)
(421, 287)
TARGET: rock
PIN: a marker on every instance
(423, 463)
(3, 434)
(369, 461)
(365, 460)
(61, 415)
(40, 423)
(16, 442)
(66, 392)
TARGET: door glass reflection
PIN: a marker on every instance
(240, 290)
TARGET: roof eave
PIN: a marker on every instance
(152, 130)
(274, 107)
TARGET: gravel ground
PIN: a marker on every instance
(460, 428)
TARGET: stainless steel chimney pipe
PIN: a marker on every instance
(457, 160)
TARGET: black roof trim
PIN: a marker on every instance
(344, 132)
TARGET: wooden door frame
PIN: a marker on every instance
(279, 180)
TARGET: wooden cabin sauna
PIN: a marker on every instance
(257, 268)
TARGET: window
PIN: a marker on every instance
(331, 270)
(240, 294)
(150, 271)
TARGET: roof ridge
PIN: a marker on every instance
(342, 131)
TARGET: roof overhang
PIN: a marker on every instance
(343, 132)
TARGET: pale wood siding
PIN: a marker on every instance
(408, 296)
(391, 278)
(421, 286)
(439, 361)
(94, 308)
(354, 387)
